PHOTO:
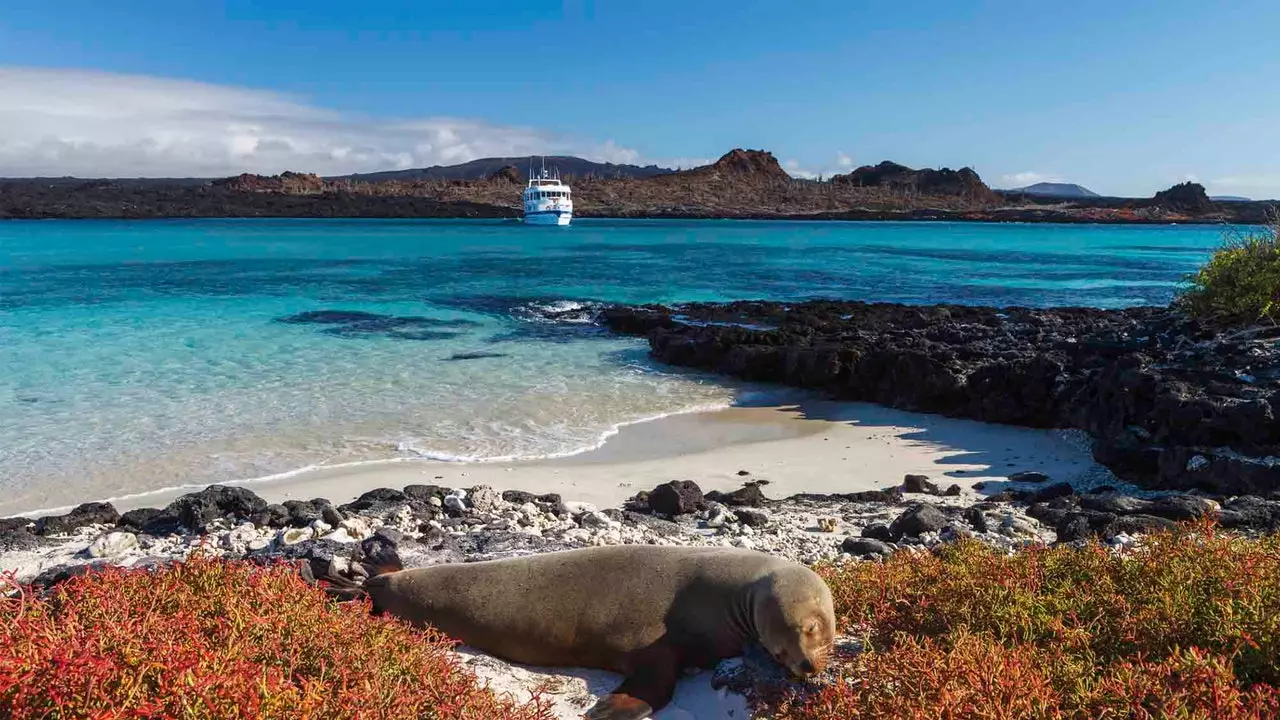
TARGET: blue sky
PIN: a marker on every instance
(1123, 97)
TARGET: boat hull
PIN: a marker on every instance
(548, 217)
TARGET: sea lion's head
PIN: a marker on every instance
(795, 620)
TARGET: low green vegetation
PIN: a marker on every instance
(1241, 282)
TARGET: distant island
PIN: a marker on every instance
(1054, 189)
(743, 184)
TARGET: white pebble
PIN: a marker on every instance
(113, 544)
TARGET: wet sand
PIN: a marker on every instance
(811, 446)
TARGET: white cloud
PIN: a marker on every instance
(95, 124)
(1028, 177)
(680, 163)
(794, 169)
(844, 162)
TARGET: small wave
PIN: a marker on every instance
(602, 438)
(577, 312)
(414, 455)
(129, 497)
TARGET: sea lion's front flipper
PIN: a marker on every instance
(644, 691)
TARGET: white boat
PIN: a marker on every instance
(547, 201)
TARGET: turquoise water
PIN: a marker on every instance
(136, 356)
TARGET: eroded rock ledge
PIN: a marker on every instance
(1171, 403)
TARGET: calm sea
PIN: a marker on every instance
(136, 356)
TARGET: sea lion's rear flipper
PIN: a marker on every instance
(645, 691)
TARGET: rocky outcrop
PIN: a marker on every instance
(507, 174)
(927, 181)
(1172, 403)
(287, 182)
(739, 164)
(1185, 197)
(94, 513)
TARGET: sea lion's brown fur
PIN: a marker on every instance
(640, 610)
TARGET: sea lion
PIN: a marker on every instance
(643, 611)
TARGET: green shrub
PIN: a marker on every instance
(1241, 281)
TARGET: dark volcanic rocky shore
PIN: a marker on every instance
(1171, 403)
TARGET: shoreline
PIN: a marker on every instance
(798, 442)
(812, 446)
(134, 500)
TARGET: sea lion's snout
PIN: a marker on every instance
(795, 620)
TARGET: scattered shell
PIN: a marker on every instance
(293, 536)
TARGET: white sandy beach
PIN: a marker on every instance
(813, 446)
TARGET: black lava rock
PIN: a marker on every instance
(752, 517)
(1250, 512)
(138, 519)
(426, 492)
(1181, 507)
(888, 495)
(676, 498)
(657, 525)
(748, 495)
(195, 510)
(919, 484)
(94, 513)
(917, 519)
(378, 498)
(1074, 529)
(976, 519)
(15, 534)
(62, 573)
(877, 531)
(863, 546)
(1049, 492)
(1029, 476)
(1136, 524)
(274, 516)
(1116, 504)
